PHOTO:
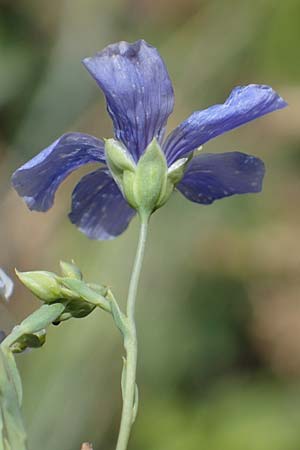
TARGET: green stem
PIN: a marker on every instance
(130, 344)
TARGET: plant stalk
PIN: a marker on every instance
(130, 344)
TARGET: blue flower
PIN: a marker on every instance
(140, 98)
(6, 287)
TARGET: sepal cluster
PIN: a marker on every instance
(147, 184)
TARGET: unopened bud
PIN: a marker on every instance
(35, 340)
(44, 285)
(79, 308)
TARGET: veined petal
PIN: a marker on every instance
(244, 104)
(138, 92)
(98, 206)
(213, 176)
(38, 179)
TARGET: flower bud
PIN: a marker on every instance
(35, 340)
(44, 285)
(79, 308)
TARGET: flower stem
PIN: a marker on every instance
(130, 344)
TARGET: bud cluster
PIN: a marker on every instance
(78, 298)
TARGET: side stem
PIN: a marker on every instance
(130, 344)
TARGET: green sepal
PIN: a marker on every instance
(70, 270)
(118, 160)
(150, 178)
(174, 175)
(118, 156)
(177, 169)
(128, 188)
(148, 184)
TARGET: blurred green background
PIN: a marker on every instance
(219, 305)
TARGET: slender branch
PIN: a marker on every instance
(130, 344)
(133, 286)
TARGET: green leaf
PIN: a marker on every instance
(14, 374)
(13, 426)
(41, 318)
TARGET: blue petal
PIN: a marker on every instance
(6, 286)
(38, 179)
(213, 176)
(244, 104)
(98, 207)
(138, 92)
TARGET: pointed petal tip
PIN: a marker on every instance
(211, 177)
(138, 91)
(262, 93)
(119, 48)
(244, 104)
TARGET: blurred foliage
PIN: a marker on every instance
(219, 306)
